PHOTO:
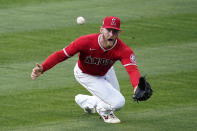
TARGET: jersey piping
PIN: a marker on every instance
(128, 64)
(66, 53)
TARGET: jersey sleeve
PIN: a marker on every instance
(129, 62)
(134, 74)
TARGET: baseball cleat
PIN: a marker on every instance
(109, 117)
(90, 110)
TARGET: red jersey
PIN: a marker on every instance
(96, 60)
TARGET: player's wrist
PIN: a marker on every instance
(134, 89)
(42, 69)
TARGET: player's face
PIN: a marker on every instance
(109, 36)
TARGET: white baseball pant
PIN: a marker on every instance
(105, 91)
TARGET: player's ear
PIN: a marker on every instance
(119, 32)
(101, 30)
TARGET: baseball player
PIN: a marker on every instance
(94, 69)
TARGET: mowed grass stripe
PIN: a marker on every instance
(63, 13)
(150, 119)
(159, 118)
(150, 32)
(168, 59)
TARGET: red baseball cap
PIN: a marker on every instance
(111, 22)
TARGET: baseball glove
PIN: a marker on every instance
(143, 91)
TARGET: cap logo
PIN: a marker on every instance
(113, 21)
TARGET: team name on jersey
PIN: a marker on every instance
(98, 61)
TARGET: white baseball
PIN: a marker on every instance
(80, 20)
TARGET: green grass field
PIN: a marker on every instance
(163, 35)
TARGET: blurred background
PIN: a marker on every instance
(161, 33)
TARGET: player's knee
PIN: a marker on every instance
(78, 97)
(119, 103)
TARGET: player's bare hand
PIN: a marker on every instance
(37, 71)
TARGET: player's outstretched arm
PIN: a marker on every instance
(37, 71)
(50, 62)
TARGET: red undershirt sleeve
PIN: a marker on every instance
(134, 74)
(53, 59)
(128, 61)
(62, 55)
